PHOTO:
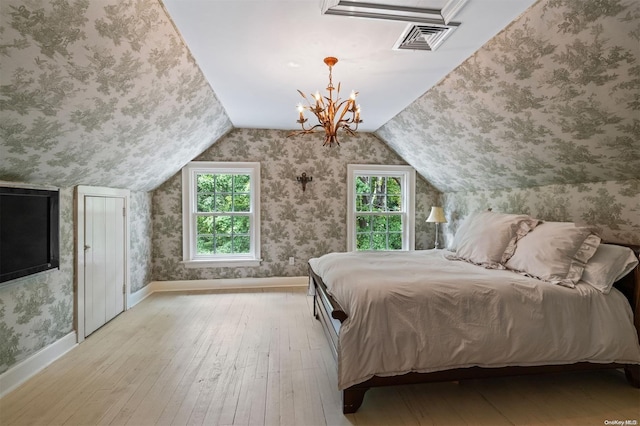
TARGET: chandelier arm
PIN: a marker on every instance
(311, 129)
(344, 110)
(349, 130)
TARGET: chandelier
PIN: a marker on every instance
(332, 114)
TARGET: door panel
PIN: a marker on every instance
(104, 260)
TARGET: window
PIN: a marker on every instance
(221, 214)
(380, 210)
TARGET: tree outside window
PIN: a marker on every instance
(221, 211)
(380, 207)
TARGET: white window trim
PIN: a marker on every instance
(189, 172)
(408, 175)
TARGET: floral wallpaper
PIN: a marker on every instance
(553, 99)
(611, 208)
(140, 231)
(99, 93)
(293, 223)
(36, 311)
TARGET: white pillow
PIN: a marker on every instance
(608, 265)
(555, 252)
(489, 239)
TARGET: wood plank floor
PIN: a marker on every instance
(258, 357)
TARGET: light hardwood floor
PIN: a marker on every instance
(259, 357)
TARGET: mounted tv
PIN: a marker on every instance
(29, 231)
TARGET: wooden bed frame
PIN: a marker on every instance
(331, 315)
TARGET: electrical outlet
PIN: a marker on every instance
(292, 260)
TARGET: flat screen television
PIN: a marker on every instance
(29, 231)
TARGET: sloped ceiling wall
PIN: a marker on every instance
(99, 93)
(554, 98)
(105, 93)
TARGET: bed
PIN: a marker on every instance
(427, 315)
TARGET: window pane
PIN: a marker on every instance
(223, 225)
(241, 183)
(379, 223)
(205, 182)
(241, 225)
(393, 203)
(362, 203)
(379, 241)
(223, 244)
(395, 241)
(241, 203)
(241, 244)
(363, 223)
(223, 203)
(379, 203)
(205, 244)
(393, 186)
(395, 223)
(205, 224)
(363, 242)
(363, 185)
(377, 184)
(205, 203)
(224, 183)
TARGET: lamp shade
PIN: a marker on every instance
(437, 215)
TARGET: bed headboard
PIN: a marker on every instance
(630, 287)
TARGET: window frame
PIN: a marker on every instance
(408, 184)
(190, 258)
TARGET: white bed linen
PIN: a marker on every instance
(417, 311)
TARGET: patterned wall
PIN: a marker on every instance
(611, 208)
(293, 223)
(140, 231)
(99, 93)
(553, 99)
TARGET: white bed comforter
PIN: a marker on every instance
(417, 311)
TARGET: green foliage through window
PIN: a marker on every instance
(378, 213)
(223, 206)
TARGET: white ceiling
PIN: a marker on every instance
(255, 54)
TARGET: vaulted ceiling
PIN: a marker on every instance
(107, 93)
(256, 54)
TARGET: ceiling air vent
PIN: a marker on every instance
(424, 37)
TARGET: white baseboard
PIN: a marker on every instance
(215, 284)
(229, 283)
(21, 372)
(139, 296)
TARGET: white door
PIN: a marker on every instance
(104, 260)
